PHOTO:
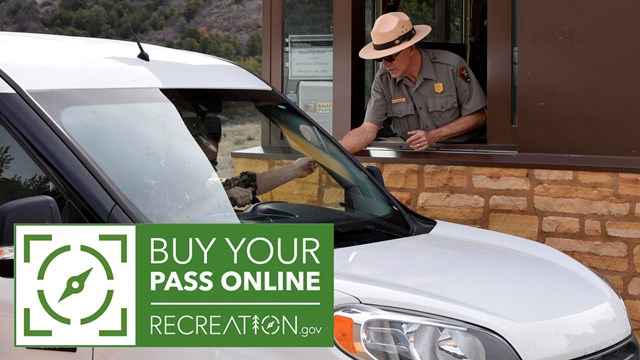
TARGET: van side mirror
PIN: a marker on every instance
(31, 210)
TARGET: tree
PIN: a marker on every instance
(253, 64)
(91, 20)
(157, 21)
(72, 5)
(5, 159)
(16, 187)
(192, 8)
(300, 22)
(254, 44)
(21, 15)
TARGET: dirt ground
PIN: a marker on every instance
(236, 137)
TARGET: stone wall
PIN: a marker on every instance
(592, 216)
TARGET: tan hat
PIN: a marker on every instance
(391, 33)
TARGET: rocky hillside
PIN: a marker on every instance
(226, 28)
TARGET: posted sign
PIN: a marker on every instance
(310, 57)
(174, 285)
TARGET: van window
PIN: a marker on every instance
(163, 150)
(20, 177)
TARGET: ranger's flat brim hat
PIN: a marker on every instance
(391, 33)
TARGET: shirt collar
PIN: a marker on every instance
(428, 70)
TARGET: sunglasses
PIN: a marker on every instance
(389, 58)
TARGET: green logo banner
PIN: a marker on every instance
(157, 285)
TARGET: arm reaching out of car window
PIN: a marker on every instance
(243, 188)
(271, 179)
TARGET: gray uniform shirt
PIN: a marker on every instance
(445, 90)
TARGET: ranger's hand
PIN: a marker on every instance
(421, 140)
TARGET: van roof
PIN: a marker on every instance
(43, 62)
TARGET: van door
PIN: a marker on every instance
(20, 177)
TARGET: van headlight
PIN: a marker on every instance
(370, 333)
(6, 253)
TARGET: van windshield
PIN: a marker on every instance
(168, 153)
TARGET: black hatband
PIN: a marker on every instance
(400, 39)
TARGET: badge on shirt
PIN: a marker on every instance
(398, 100)
(438, 87)
(463, 73)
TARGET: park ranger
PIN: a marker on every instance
(429, 95)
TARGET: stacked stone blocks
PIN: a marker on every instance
(593, 217)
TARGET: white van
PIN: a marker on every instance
(90, 133)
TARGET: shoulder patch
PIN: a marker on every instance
(463, 73)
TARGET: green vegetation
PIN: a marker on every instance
(424, 12)
(173, 23)
(305, 17)
(17, 187)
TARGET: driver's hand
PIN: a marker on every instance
(240, 196)
(304, 166)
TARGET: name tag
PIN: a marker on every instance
(398, 101)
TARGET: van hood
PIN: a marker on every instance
(544, 303)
